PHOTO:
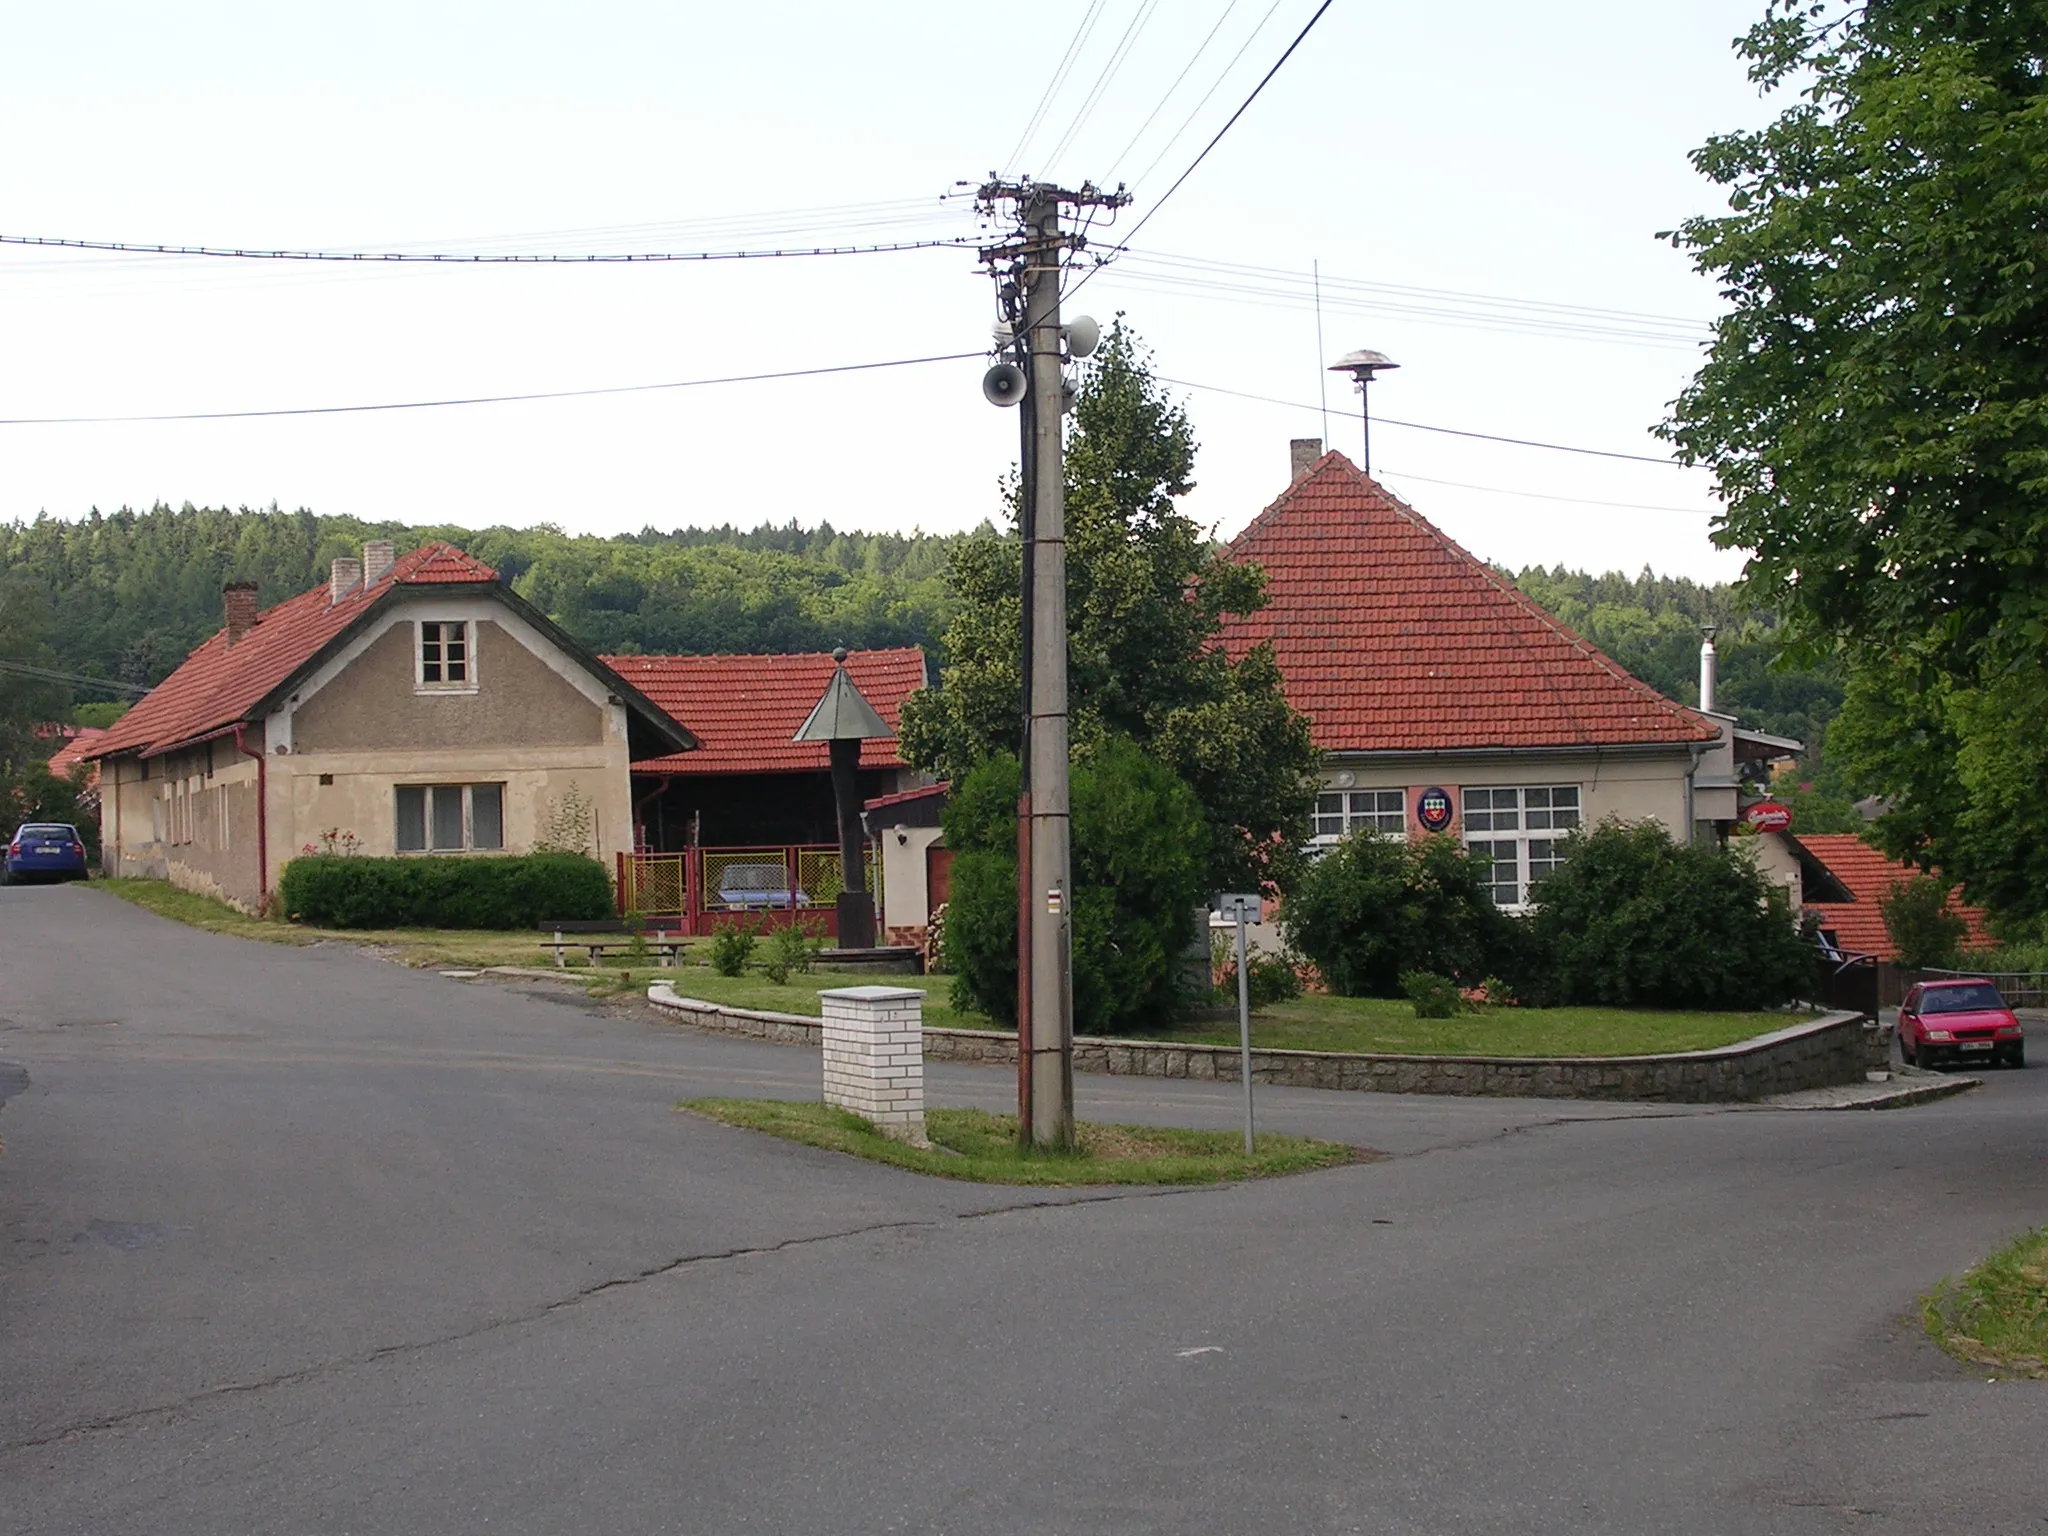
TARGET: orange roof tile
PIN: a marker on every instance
(72, 753)
(1859, 925)
(744, 709)
(219, 684)
(1391, 638)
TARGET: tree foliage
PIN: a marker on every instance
(1918, 920)
(1147, 594)
(1137, 889)
(1375, 909)
(1875, 402)
(1632, 919)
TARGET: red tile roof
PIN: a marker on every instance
(744, 709)
(1391, 638)
(72, 753)
(1858, 925)
(219, 684)
(908, 796)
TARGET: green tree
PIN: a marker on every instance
(1137, 889)
(1147, 594)
(1375, 908)
(1921, 925)
(1874, 405)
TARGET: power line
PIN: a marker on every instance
(46, 675)
(1117, 56)
(1417, 426)
(1177, 79)
(549, 394)
(1214, 86)
(1243, 107)
(481, 258)
(1059, 78)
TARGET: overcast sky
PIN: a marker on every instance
(1515, 160)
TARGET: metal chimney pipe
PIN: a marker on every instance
(1707, 667)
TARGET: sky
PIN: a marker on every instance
(1480, 188)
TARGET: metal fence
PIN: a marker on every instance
(2020, 989)
(704, 886)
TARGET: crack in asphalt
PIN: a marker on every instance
(124, 1419)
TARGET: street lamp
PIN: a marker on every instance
(1362, 365)
(844, 718)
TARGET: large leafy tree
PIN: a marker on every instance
(1875, 402)
(1147, 594)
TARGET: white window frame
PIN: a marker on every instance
(1383, 812)
(1534, 818)
(469, 843)
(420, 682)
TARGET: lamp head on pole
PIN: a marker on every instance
(1363, 365)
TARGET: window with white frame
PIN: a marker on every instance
(450, 818)
(1520, 832)
(1341, 812)
(446, 655)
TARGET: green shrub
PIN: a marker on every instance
(1632, 919)
(1922, 928)
(337, 891)
(1138, 841)
(1269, 979)
(788, 949)
(1374, 908)
(732, 947)
(1434, 996)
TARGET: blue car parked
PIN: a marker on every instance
(44, 850)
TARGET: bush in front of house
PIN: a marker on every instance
(1374, 908)
(1138, 842)
(522, 891)
(1633, 919)
(1927, 933)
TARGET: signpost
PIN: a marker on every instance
(1768, 816)
(1244, 909)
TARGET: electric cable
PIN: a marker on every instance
(1417, 426)
(1243, 107)
(1214, 86)
(24, 669)
(481, 258)
(546, 394)
(1117, 56)
(1153, 116)
(1059, 78)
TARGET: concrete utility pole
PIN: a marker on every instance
(1028, 269)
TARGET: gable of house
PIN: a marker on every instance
(1858, 925)
(1391, 638)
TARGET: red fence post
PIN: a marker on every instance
(619, 886)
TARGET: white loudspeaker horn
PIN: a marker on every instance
(1003, 384)
(1083, 336)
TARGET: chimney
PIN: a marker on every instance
(346, 576)
(378, 557)
(1303, 452)
(238, 602)
(1707, 668)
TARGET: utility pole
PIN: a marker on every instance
(1028, 267)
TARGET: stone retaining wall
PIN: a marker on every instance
(1819, 1053)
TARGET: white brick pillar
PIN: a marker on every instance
(874, 1057)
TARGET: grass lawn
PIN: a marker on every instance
(412, 946)
(753, 990)
(1996, 1313)
(982, 1147)
(1319, 1022)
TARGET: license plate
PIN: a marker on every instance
(1976, 1045)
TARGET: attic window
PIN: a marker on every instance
(444, 655)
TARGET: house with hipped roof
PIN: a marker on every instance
(412, 704)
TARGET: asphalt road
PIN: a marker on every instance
(300, 1241)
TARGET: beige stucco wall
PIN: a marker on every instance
(374, 706)
(1628, 786)
(905, 899)
(1778, 863)
(191, 821)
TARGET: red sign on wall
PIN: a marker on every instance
(1768, 816)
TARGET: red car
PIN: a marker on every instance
(1960, 1020)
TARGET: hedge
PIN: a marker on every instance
(338, 891)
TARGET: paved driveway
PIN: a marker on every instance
(296, 1240)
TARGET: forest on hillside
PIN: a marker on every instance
(124, 596)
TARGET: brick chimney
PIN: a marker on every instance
(238, 601)
(1303, 452)
(379, 555)
(345, 577)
